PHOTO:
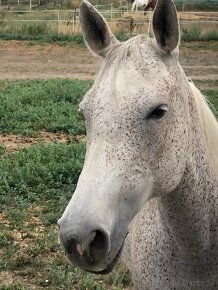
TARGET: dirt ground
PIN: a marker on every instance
(19, 60)
(22, 61)
(16, 142)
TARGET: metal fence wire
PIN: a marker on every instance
(119, 18)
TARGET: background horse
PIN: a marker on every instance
(151, 4)
(150, 177)
(146, 3)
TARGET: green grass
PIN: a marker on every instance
(42, 33)
(37, 183)
(194, 33)
(52, 105)
(35, 33)
(44, 38)
(45, 33)
(40, 172)
(12, 26)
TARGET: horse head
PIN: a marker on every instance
(134, 106)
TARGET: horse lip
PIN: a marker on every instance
(110, 266)
(103, 268)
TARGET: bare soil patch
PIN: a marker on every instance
(13, 143)
(22, 61)
(17, 142)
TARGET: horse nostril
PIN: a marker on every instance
(93, 248)
(70, 245)
(99, 247)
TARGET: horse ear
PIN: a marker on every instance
(165, 25)
(96, 32)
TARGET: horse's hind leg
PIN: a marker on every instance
(147, 7)
(151, 5)
(133, 7)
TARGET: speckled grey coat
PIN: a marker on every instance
(151, 166)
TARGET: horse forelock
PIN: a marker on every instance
(122, 50)
(142, 49)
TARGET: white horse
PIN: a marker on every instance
(151, 166)
(139, 3)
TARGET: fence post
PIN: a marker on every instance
(30, 4)
(111, 11)
(58, 22)
(73, 25)
(183, 5)
(74, 20)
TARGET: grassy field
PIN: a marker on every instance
(51, 105)
(34, 26)
(36, 184)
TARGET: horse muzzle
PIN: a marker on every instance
(89, 248)
(85, 246)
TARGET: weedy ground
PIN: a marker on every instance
(37, 182)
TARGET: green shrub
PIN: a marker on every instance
(35, 29)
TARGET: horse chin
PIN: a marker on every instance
(110, 266)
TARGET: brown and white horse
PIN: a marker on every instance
(146, 3)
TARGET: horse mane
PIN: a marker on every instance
(209, 124)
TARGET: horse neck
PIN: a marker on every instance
(189, 213)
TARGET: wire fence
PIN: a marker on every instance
(32, 4)
(119, 18)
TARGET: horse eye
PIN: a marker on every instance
(158, 113)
